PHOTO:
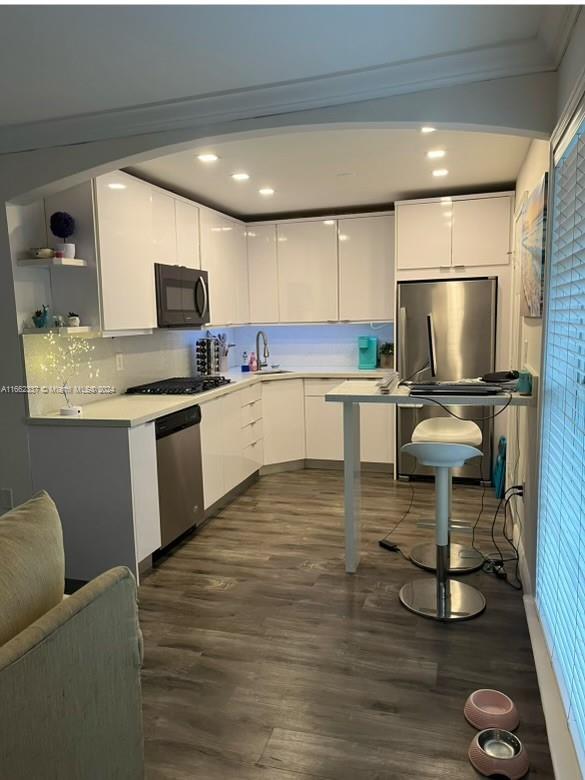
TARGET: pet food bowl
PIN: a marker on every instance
(499, 753)
(486, 709)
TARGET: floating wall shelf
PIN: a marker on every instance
(52, 262)
(82, 330)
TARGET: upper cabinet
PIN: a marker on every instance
(187, 232)
(164, 228)
(423, 235)
(482, 231)
(366, 268)
(454, 232)
(123, 207)
(224, 257)
(263, 273)
(307, 271)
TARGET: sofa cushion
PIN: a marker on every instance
(32, 564)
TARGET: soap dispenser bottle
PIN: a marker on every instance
(253, 362)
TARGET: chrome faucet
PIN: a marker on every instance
(265, 352)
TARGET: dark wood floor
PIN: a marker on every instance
(265, 661)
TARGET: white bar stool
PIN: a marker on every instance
(448, 430)
(442, 598)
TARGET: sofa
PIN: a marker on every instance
(69, 666)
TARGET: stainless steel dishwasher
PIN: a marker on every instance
(180, 478)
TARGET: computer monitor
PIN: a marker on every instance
(431, 345)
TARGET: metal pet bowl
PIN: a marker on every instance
(499, 753)
(487, 709)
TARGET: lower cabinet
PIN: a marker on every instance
(324, 426)
(283, 411)
(231, 441)
(278, 421)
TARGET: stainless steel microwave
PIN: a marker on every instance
(182, 296)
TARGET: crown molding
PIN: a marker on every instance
(514, 59)
(555, 29)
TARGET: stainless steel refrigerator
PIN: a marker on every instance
(464, 324)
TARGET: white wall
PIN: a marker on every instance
(525, 349)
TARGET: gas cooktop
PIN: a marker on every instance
(188, 385)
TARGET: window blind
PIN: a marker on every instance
(560, 585)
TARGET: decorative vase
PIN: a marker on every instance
(73, 322)
(41, 320)
(65, 250)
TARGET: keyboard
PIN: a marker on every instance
(454, 388)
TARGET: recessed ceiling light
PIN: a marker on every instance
(329, 222)
(240, 176)
(436, 154)
(427, 129)
(117, 185)
(266, 191)
(207, 157)
(440, 172)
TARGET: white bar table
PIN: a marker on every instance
(351, 394)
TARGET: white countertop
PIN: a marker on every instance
(359, 391)
(127, 411)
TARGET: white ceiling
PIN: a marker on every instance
(334, 169)
(60, 61)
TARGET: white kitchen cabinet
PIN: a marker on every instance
(423, 235)
(187, 223)
(233, 444)
(126, 266)
(307, 271)
(377, 433)
(482, 231)
(238, 264)
(263, 273)
(212, 451)
(323, 429)
(164, 228)
(366, 268)
(224, 256)
(283, 420)
(324, 426)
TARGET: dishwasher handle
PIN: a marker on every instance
(171, 423)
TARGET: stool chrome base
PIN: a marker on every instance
(463, 602)
(462, 559)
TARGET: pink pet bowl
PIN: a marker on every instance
(486, 709)
(498, 753)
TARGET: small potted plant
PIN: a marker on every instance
(63, 226)
(41, 317)
(73, 320)
(386, 355)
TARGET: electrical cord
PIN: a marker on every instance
(491, 416)
(389, 545)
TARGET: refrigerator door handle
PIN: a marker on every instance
(410, 406)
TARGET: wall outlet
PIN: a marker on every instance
(119, 361)
(6, 499)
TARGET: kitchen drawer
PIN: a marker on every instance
(251, 412)
(250, 395)
(253, 456)
(321, 386)
(252, 432)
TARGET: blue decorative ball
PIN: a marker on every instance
(62, 225)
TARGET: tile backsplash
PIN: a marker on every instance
(319, 346)
(168, 353)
